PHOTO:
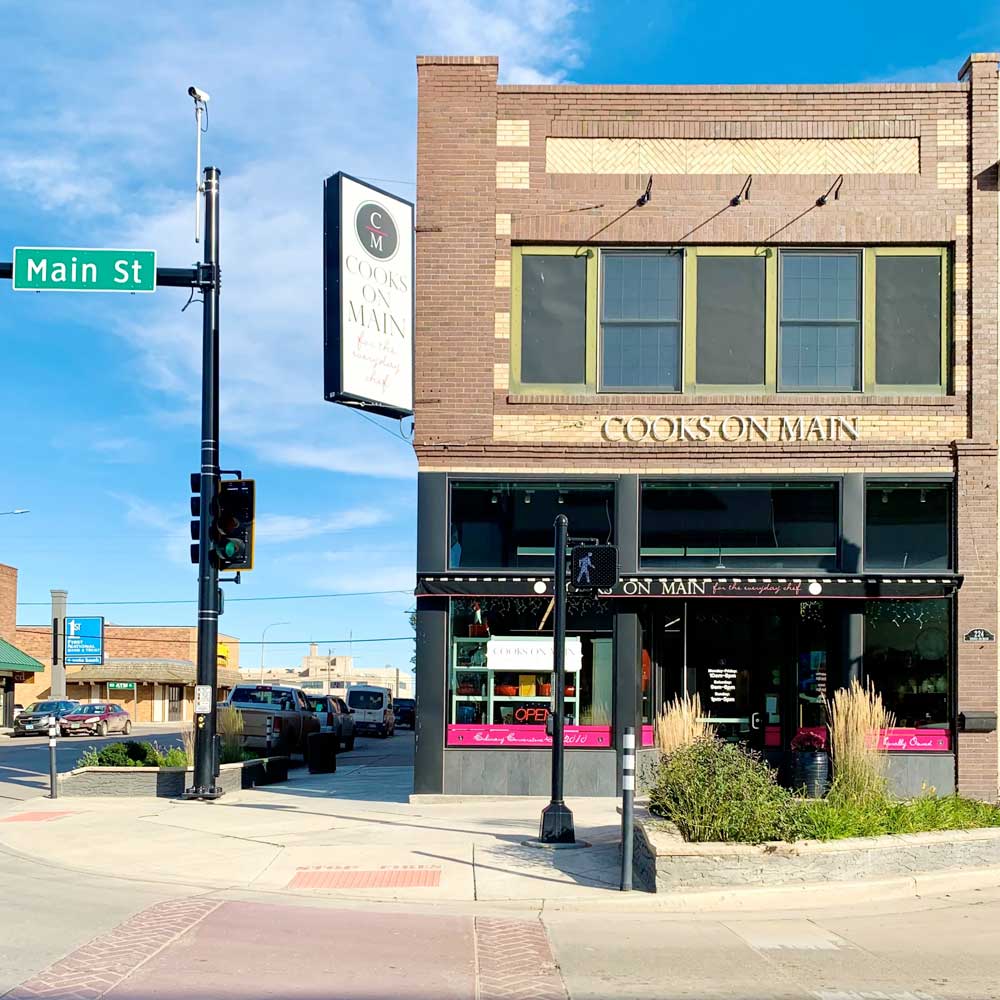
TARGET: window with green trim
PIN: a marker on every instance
(641, 321)
(754, 320)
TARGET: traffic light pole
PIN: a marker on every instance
(205, 786)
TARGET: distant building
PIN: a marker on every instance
(334, 674)
(149, 670)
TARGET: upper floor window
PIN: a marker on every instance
(641, 321)
(820, 335)
(723, 319)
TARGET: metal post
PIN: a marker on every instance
(557, 819)
(58, 686)
(53, 765)
(205, 786)
(628, 794)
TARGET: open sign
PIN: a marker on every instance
(531, 714)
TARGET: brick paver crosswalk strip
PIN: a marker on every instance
(514, 961)
(98, 966)
(34, 817)
(386, 877)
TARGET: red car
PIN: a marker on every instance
(98, 718)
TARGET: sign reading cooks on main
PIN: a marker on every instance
(731, 428)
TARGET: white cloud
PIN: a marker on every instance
(298, 92)
(276, 528)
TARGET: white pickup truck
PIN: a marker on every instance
(276, 719)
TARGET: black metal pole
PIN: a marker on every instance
(557, 819)
(628, 804)
(205, 786)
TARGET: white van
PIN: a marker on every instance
(372, 710)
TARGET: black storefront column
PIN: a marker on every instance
(432, 635)
(627, 630)
(852, 553)
(628, 676)
(432, 692)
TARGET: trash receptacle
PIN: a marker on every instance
(321, 753)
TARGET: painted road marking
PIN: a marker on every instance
(34, 817)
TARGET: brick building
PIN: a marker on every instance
(149, 670)
(749, 334)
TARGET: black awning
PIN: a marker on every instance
(870, 586)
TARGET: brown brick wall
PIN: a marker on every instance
(8, 602)
(488, 178)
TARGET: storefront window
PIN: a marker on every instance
(907, 525)
(739, 525)
(496, 525)
(907, 657)
(500, 672)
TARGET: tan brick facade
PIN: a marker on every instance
(507, 165)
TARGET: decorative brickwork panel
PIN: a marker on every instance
(501, 376)
(512, 174)
(952, 132)
(513, 132)
(953, 176)
(731, 156)
(503, 223)
(501, 328)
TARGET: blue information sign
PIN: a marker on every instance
(83, 643)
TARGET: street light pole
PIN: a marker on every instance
(557, 819)
(266, 627)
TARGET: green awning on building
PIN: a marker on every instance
(11, 658)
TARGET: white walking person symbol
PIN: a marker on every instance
(583, 575)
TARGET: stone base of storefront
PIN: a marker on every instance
(665, 862)
(528, 772)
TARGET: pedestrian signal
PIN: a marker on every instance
(594, 567)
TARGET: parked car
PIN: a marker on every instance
(97, 718)
(276, 717)
(34, 720)
(372, 710)
(405, 710)
(334, 714)
(18, 709)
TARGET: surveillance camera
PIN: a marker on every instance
(198, 95)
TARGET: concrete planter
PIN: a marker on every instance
(168, 782)
(665, 862)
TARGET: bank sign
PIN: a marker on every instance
(368, 297)
(83, 641)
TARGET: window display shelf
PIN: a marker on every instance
(530, 697)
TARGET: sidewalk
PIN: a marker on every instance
(352, 834)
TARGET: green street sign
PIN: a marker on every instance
(121, 685)
(82, 269)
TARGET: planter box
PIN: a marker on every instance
(168, 782)
(664, 861)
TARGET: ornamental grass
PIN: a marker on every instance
(680, 723)
(858, 717)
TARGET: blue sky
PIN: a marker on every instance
(98, 408)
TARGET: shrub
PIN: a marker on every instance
(114, 755)
(89, 758)
(719, 791)
(681, 723)
(857, 718)
(174, 757)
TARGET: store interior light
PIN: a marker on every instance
(885, 496)
(923, 496)
(494, 498)
(528, 495)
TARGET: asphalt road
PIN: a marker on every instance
(24, 762)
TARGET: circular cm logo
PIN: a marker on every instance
(376, 230)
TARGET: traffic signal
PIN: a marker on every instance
(232, 525)
(195, 513)
(594, 567)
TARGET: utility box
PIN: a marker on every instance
(977, 722)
